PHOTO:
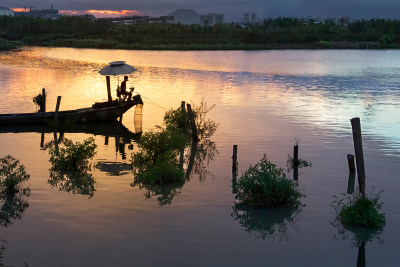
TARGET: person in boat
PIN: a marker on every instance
(123, 93)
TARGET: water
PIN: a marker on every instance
(264, 101)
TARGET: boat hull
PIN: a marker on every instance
(107, 111)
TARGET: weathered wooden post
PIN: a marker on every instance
(108, 88)
(234, 157)
(234, 169)
(57, 108)
(43, 104)
(358, 149)
(350, 183)
(295, 155)
(296, 173)
(192, 123)
(350, 162)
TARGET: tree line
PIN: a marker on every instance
(73, 31)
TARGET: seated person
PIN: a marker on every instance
(123, 93)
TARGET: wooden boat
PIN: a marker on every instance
(104, 111)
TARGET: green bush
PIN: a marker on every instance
(157, 160)
(69, 156)
(359, 211)
(12, 174)
(266, 185)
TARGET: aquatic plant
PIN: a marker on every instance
(69, 156)
(39, 100)
(300, 163)
(159, 165)
(266, 185)
(157, 160)
(356, 210)
(12, 174)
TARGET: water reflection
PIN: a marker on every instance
(169, 156)
(265, 222)
(13, 206)
(360, 237)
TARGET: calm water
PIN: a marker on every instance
(264, 100)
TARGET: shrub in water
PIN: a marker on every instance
(265, 185)
(12, 174)
(359, 211)
(70, 156)
(157, 161)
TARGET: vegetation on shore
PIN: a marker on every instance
(279, 33)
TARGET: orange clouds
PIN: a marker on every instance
(100, 13)
(19, 9)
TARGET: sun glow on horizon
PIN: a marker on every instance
(100, 13)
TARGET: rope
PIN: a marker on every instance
(152, 102)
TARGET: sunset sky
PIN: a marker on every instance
(232, 9)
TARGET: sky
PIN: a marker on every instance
(232, 9)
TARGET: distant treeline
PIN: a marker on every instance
(276, 33)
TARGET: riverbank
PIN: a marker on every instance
(279, 33)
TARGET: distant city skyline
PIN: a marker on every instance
(232, 9)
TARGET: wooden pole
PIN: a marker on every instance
(350, 183)
(296, 155)
(41, 140)
(192, 123)
(296, 173)
(43, 106)
(350, 162)
(234, 169)
(57, 108)
(234, 157)
(358, 149)
(108, 88)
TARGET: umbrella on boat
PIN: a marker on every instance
(115, 68)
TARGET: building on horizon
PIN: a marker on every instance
(211, 19)
(5, 11)
(41, 13)
(185, 16)
(249, 18)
